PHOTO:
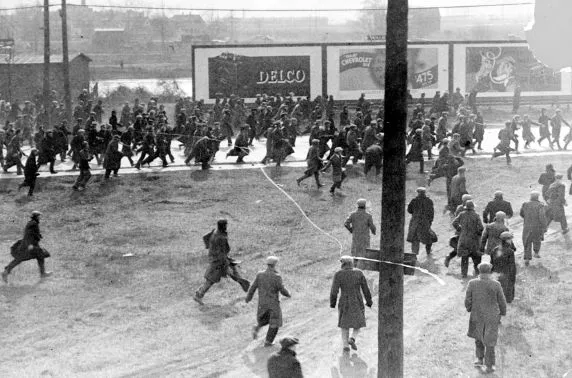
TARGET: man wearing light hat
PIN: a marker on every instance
(284, 364)
(496, 205)
(338, 174)
(533, 213)
(351, 311)
(269, 285)
(503, 261)
(422, 213)
(485, 300)
(359, 224)
(28, 248)
(556, 195)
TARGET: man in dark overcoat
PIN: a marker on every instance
(47, 153)
(486, 302)
(338, 174)
(269, 285)
(374, 157)
(546, 179)
(422, 213)
(556, 201)
(113, 156)
(351, 282)
(284, 364)
(29, 248)
(84, 169)
(30, 172)
(496, 205)
(220, 265)
(314, 164)
(534, 214)
(240, 145)
(503, 262)
(470, 228)
(416, 151)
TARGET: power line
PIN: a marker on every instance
(268, 10)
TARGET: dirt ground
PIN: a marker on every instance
(105, 314)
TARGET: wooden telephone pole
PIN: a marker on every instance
(390, 320)
(66, 63)
(46, 87)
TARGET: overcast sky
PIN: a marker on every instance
(299, 4)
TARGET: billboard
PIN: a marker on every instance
(495, 69)
(250, 70)
(357, 69)
(247, 76)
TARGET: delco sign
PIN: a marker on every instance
(247, 76)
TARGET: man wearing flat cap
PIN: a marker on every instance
(458, 188)
(359, 223)
(486, 302)
(220, 264)
(338, 174)
(269, 285)
(351, 311)
(374, 156)
(422, 213)
(496, 205)
(470, 228)
(556, 195)
(113, 156)
(314, 164)
(284, 364)
(533, 214)
(28, 248)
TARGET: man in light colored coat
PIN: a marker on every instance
(269, 285)
(486, 302)
(351, 311)
(359, 224)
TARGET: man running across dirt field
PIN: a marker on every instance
(220, 264)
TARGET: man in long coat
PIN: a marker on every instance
(470, 228)
(422, 213)
(220, 265)
(502, 259)
(556, 201)
(486, 302)
(458, 188)
(546, 179)
(374, 157)
(30, 172)
(113, 156)
(351, 282)
(533, 213)
(314, 164)
(359, 224)
(29, 248)
(269, 285)
(496, 205)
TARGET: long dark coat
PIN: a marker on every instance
(218, 256)
(352, 283)
(422, 211)
(416, 151)
(30, 170)
(504, 264)
(495, 206)
(269, 285)
(556, 200)
(534, 217)
(313, 160)
(486, 302)
(112, 156)
(32, 236)
(284, 364)
(470, 228)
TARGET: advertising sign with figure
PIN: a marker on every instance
(246, 71)
(496, 69)
(361, 69)
(502, 68)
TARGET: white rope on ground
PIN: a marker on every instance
(337, 241)
(302, 211)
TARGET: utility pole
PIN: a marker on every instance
(46, 89)
(390, 319)
(66, 63)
